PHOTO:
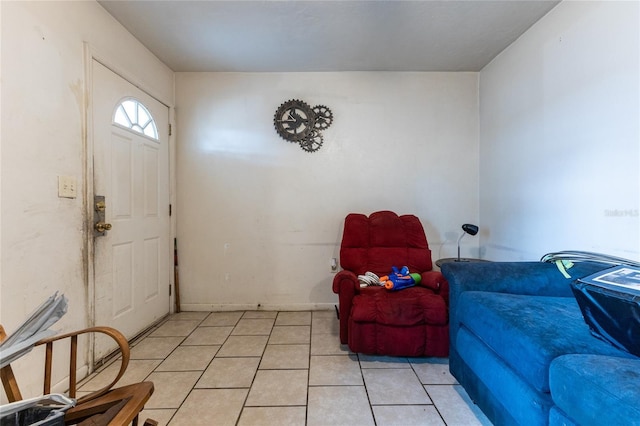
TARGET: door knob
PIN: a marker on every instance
(101, 226)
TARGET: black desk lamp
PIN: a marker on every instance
(468, 229)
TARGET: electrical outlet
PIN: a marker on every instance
(67, 187)
(333, 263)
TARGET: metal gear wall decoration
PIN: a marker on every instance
(313, 142)
(296, 121)
(324, 117)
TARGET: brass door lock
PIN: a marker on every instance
(102, 227)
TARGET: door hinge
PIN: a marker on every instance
(169, 209)
(170, 129)
(169, 289)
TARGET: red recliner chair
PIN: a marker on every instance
(373, 320)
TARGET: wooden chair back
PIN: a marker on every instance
(96, 408)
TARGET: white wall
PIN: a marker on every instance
(559, 136)
(259, 218)
(42, 137)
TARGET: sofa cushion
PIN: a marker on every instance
(409, 322)
(528, 332)
(558, 418)
(408, 307)
(597, 390)
(516, 402)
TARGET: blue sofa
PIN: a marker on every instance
(522, 351)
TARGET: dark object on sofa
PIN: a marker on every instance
(612, 313)
(409, 322)
(523, 352)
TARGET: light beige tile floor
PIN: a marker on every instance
(284, 368)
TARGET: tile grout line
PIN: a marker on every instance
(244, 403)
(366, 390)
(428, 395)
(308, 344)
(165, 358)
(306, 408)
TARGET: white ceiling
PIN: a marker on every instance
(330, 35)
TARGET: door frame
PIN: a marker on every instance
(90, 54)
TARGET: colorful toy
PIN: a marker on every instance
(400, 279)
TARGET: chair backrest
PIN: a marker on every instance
(382, 240)
(108, 406)
(10, 383)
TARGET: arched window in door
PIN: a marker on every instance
(133, 115)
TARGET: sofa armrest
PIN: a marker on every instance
(346, 286)
(436, 282)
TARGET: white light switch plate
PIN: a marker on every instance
(67, 186)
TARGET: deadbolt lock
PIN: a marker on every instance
(102, 227)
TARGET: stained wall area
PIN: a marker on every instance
(44, 123)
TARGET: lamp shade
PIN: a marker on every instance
(470, 229)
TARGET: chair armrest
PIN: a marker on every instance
(436, 282)
(123, 346)
(346, 285)
(120, 406)
(345, 281)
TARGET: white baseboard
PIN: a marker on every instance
(213, 307)
(63, 385)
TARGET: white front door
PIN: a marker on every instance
(132, 260)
